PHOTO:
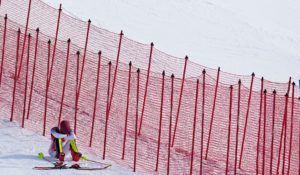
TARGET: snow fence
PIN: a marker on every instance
(136, 105)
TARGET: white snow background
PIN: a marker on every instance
(240, 36)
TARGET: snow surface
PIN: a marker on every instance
(241, 37)
(19, 149)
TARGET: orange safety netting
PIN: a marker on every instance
(44, 82)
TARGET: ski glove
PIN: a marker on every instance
(71, 136)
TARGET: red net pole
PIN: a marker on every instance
(246, 121)
(15, 77)
(84, 56)
(47, 87)
(259, 124)
(26, 81)
(194, 127)
(127, 110)
(76, 94)
(285, 137)
(81, 72)
(170, 123)
(284, 148)
(264, 134)
(55, 42)
(291, 133)
(136, 119)
(96, 97)
(107, 106)
(285, 127)
(146, 88)
(237, 126)
(202, 121)
(116, 71)
(160, 120)
(273, 126)
(299, 145)
(25, 35)
(3, 47)
(51, 67)
(213, 113)
(180, 98)
(282, 132)
(79, 77)
(33, 71)
(289, 85)
(229, 130)
(65, 82)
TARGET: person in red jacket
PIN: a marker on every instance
(63, 142)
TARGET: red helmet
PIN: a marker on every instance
(64, 127)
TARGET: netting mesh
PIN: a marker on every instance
(263, 126)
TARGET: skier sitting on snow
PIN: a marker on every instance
(63, 142)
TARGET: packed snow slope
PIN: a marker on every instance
(19, 149)
(241, 37)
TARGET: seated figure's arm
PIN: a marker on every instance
(56, 134)
(72, 136)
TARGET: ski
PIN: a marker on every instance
(100, 163)
(57, 165)
(70, 167)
